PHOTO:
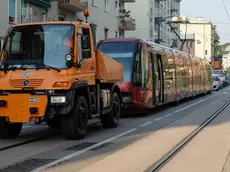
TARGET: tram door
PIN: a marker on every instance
(158, 80)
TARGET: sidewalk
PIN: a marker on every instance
(208, 151)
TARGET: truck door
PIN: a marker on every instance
(87, 65)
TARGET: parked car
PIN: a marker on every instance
(216, 83)
(228, 76)
(221, 74)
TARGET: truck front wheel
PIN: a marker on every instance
(9, 130)
(76, 124)
(111, 120)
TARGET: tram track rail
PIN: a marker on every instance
(182, 144)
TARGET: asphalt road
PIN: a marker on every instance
(99, 143)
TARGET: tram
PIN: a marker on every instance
(155, 75)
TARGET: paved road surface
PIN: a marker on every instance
(125, 148)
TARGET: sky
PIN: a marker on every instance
(210, 8)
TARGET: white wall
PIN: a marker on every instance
(103, 19)
(203, 33)
(139, 11)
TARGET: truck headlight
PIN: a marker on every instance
(58, 99)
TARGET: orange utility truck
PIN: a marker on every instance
(51, 71)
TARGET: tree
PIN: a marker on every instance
(124, 14)
(219, 50)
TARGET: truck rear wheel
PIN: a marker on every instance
(111, 119)
(75, 126)
(9, 130)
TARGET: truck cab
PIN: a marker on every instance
(50, 70)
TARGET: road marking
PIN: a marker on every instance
(82, 151)
(145, 124)
(158, 119)
(186, 107)
(169, 115)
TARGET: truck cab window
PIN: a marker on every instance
(84, 43)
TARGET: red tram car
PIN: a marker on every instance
(156, 75)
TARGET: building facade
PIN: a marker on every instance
(152, 23)
(108, 17)
(189, 43)
(204, 39)
(226, 61)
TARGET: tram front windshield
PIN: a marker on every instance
(124, 53)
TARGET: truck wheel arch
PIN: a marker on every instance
(82, 89)
(115, 88)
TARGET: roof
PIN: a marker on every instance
(121, 40)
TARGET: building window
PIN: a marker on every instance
(94, 2)
(12, 9)
(106, 33)
(107, 5)
(61, 17)
(151, 12)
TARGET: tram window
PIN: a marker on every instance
(137, 73)
(144, 57)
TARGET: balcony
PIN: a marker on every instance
(73, 5)
(128, 1)
(127, 24)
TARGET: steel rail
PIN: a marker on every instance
(176, 149)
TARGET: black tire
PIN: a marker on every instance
(54, 123)
(76, 124)
(111, 119)
(9, 130)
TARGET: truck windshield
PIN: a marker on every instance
(123, 52)
(35, 46)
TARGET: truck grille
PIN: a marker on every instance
(18, 83)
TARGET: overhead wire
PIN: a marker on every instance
(226, 10)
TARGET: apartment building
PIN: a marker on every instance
(152, 22)
(108, 17)
(203, 32)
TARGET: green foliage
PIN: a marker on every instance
(124, 14)
(219, 50)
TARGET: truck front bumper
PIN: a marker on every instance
(21, 107)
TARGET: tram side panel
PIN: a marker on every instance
(189, 87)
(169, 77)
